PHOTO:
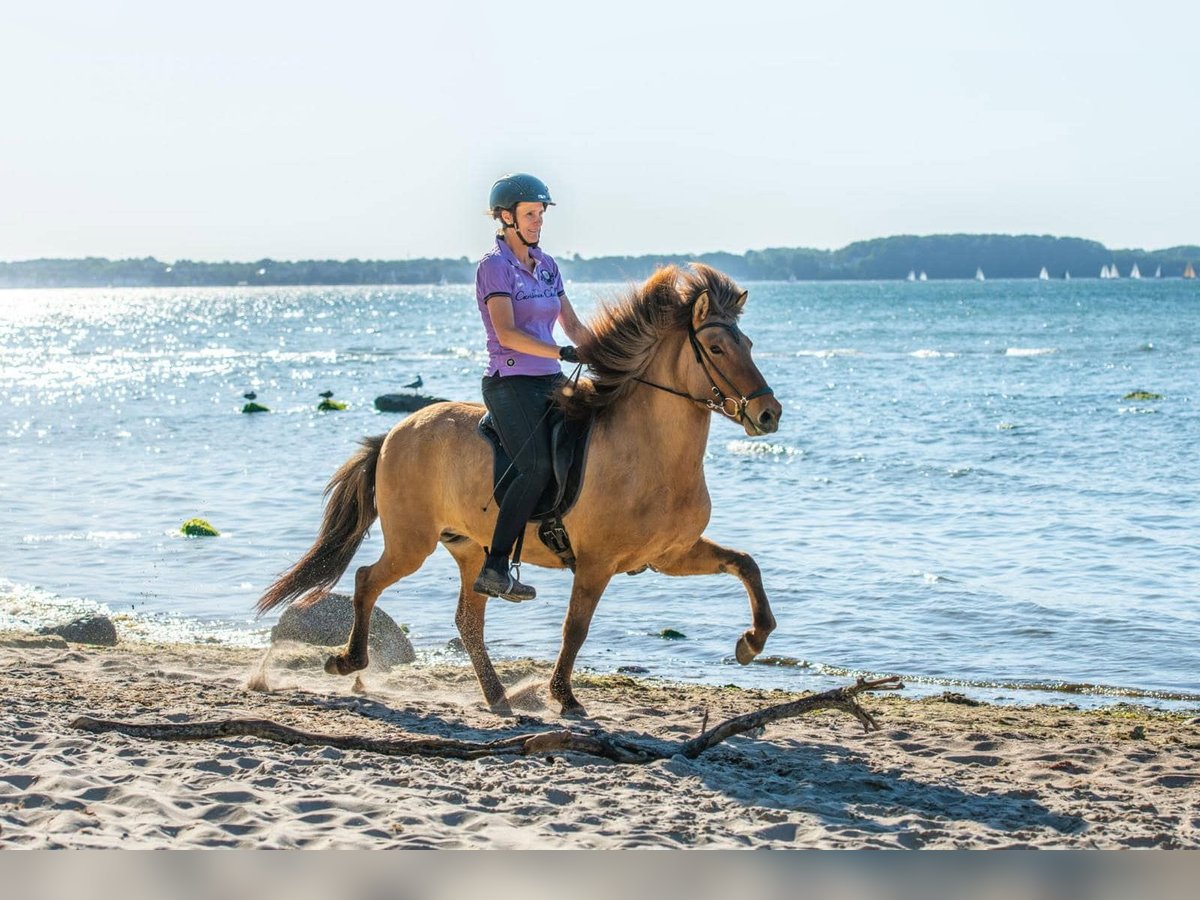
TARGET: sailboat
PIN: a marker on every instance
(1189, 272)
(1134, 272)
(912, 276)
(922, 276)
(1104, 272)
(1067, 277)
(1158, 272)
(979, 275)
(1112, 271)
(1043, 275)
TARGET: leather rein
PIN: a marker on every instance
(734, 407)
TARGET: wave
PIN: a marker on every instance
(1030, 351)
(761, 448)
(1050, 686)
(27, 608)
(95, 536)
(830, 353)
(933, 354)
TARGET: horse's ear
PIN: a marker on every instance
(700, 310)
(741, 300)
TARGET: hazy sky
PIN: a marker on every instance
(374, 130)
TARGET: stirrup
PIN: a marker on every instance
(504, 585)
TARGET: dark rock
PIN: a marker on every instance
(404, 402)
(95, 629)
(327, 624)
(960, 699)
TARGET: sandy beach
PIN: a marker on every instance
(938, 774)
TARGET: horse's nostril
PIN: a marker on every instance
(766, 418)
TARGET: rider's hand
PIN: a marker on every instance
(568, 354)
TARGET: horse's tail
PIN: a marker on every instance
(349, 512)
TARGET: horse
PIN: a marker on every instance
(662, 360)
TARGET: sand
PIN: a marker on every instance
(938, 774)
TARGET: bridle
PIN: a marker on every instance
(734, 407)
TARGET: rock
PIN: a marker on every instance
(198, 528)
(404, 402)
(670, 634)
(1142, 395)
(328, 405)
(327, 624)
(960, 699)
(254, 408)
(94, 629)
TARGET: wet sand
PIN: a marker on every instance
(938, 773)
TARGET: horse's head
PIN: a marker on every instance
(722, 370)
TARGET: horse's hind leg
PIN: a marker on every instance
(706, 558)
(469, 619)
(399, 558)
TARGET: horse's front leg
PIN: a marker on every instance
(585, 594)
(706, 558)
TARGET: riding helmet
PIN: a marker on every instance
(518, 188)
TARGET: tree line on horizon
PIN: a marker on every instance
(952, 256)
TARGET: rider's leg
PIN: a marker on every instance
(518, 405)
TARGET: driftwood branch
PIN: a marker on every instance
(608, 746)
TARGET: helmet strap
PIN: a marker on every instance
(517, 228)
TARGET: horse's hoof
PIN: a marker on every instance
(574, 710)
(340, 665)
(744, 652)
(501, 707)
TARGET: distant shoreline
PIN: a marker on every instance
(935, 257)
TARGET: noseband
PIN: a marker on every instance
(733, 407)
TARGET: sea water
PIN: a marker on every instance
(961, 492)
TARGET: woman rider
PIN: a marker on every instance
(520, 295)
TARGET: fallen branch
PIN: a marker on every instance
(608, 746)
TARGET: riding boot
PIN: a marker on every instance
(496, 580)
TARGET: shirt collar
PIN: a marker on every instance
(506, 252)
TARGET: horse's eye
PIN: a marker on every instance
(716, 350)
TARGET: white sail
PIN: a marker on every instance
(1043, 275)
(1113, 272)
(979, 275)
(912, 276)
(922, 276)
(1104, 272)
(1067, 277)
(1134, 273)
(1158, 272)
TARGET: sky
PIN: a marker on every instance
(374, 130)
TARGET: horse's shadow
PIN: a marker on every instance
(834, 782)
(837, 784)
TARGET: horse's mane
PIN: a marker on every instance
(626, 331)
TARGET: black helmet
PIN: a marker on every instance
(518, 188)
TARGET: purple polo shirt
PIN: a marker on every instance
(535, 306)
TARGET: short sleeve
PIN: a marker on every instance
(493, 276)
(558, 282)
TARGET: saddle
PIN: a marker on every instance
(568, 448)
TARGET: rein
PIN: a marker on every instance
(719, 402)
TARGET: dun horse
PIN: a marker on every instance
(663, 360)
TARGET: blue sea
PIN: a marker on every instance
(962, 491)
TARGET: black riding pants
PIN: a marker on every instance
(519, 404)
